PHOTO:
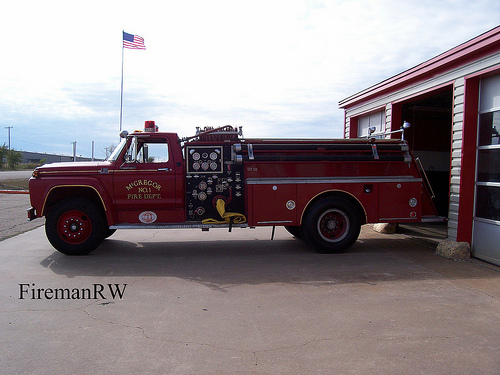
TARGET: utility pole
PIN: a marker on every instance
(74, 150)
(9, 127)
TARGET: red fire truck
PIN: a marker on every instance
(321, 191)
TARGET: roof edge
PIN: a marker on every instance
(468, 48)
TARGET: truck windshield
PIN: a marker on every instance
(117, 150)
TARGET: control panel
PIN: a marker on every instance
(212, 175)
(205, 159)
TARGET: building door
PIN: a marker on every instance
(487, 200)
(430, 139)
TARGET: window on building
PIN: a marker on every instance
(488, 151)
(373, 120)
(489, 129)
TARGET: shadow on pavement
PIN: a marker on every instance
(221, 264)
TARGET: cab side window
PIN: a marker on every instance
(152, 152)
(147, 151)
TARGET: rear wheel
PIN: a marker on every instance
(75, 227)
(109, 232)
(331, 225)
(295, 231)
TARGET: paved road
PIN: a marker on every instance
(13, 218)
(237, 303)
(14, 175)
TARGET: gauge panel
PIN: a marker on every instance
(210, 175)
(205, 159)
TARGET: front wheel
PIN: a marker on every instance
(331, 225)
(75, 227)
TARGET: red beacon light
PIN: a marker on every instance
(150, 127)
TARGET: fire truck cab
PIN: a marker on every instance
(320, 190)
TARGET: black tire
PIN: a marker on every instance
(75, 227)
(331, 225)
(109, 232)
(295, 231)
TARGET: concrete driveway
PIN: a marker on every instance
(13, 217)
(14, 175)
(237, 303)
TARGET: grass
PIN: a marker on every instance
(17, 184)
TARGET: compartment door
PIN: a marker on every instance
(273, 204)
(399, 201)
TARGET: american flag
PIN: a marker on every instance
(133, 41)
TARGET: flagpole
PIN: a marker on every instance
(121, 90)
(134, 42)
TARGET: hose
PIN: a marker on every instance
(228, 217)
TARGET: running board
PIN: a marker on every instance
(177, 226)
(433, 219)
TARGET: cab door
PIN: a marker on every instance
(144, 183)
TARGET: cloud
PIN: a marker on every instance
(278, 68)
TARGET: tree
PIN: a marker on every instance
(109, 150)
(13, 158)
(9, 158)
(3, 155)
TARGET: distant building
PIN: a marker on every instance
(37, 157)
(453, 104)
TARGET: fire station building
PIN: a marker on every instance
(452, 102)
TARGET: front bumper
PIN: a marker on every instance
(31, 214)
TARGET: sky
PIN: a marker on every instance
(277, 68)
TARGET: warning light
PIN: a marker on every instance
(150, 127)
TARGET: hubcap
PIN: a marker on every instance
(333, 225)
(74, 227)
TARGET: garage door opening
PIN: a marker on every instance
(429, 138)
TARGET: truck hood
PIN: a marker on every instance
(72, 167)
